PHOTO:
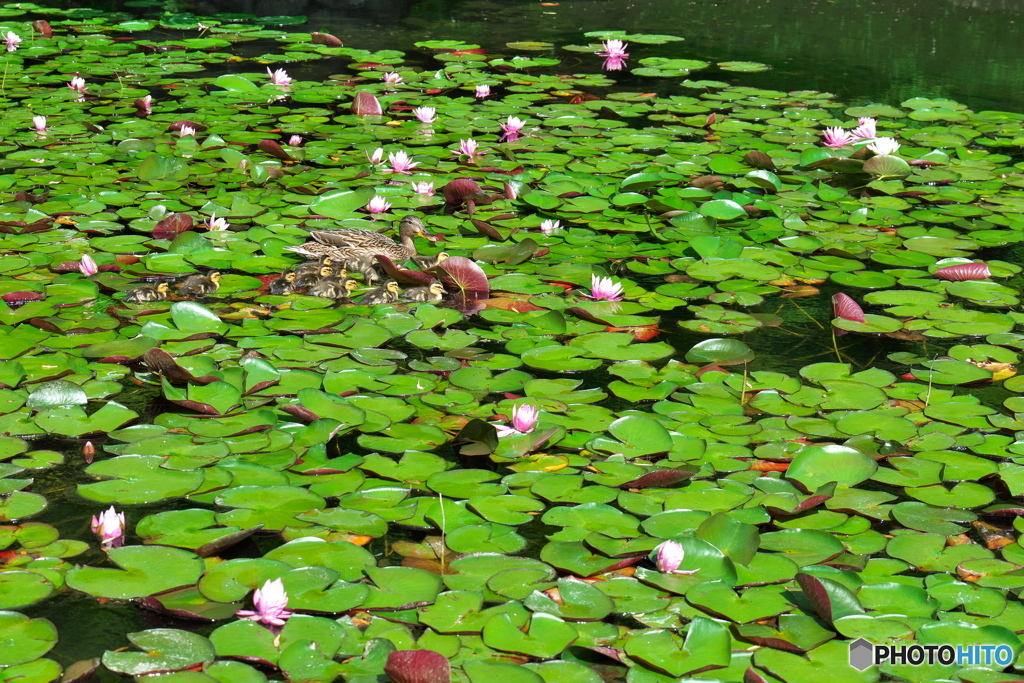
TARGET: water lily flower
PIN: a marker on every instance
(392, 77)
(614, 48)
(468, 148)
(202, 27)
(12, 40)
(550, 227)
(279, 77)
(378, 205)
(271, 604)
(147, 104)
(109, 526)
(425, 114)
(670, 555)
(401, 162)
(512, 126)
(295, 141)
(524, 419)
(883, 146)
(838, 137)
(482, 91)
(78, 84)
(217, 224)
(605, 289)
(87, 266)
(376, 156)
(865, 129)
(187, 131)
(425, 188)
(613, 63)
(40, 123)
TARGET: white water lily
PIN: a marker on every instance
(884, 146)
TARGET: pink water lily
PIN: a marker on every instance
(425, 188)
(376, 156)
(87, 266)
(524, 420)
(469, 148)
(836, 137)
(883, 146)
(392, 77)
(401, 162)
(550, 227)
(512, 126)
(271, 602)
(295, 141)
(669, 555)
(614, 48)
(605, 289)
(217, 224)
(425, 114)
(613, 64)
(279, 77)
(40, 123)
(482, 90)
(146, 104)
(865, 129)
(12, 39)
(78, 84)
(187, 131)
(109, 525)
(378, 205)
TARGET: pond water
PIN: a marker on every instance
(874, 457)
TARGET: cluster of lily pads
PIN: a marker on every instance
(438, 477)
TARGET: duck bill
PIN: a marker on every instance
(426, 235)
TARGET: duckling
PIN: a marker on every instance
(310, 279)
(284, 284)
(313, 266)
(428, 262)
(364, 265)
(433, 292)
(145, 293)
(385, 294)
(338, 288)
(200, 285)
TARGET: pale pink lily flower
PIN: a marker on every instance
(670, 555)
(512, 126)
(865, 128)
(605, 289)
(12, 39)
(271, 604)
(836, 137)
(524, 419)
(217, 224)
(109, 526)
(425, 114)
(400, 162)
(279, 77)
(425, 188)
(550, 227)
(295, 141)
(614, 48)
(469, 148)
(884, 146)
(78, 84)
(187, 131)
(376, 156)
(40, 123)
(147, 104)
(378, 205)
(482, 91)
(613, 63)
(87, 266)
(392, 77)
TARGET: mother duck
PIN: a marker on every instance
(352, 243)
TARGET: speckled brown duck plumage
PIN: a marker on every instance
(346, 243)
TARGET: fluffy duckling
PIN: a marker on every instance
(146, 293)
(337, 288)
(313, 266)
(385, 294)
(428, 262)
(364, 265)
(200, 285)
(432, 293)
(284, 284)
(310, 279)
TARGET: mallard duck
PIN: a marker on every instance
(385, 294)
(428, 262)
(310, 279)
(432, 292)
(364, 266)
(313, 266)
(284, 284)
(337, 288)
(349, 242)
(199, 285)
(156, 292)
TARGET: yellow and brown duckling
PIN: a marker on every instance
(310, 279)
(284, 284)
(312, 266)
(147, 293)
(432, 293)
(350, 242)
(334, 287)
(387, 293)
(199, 285)
(428, 262)
(364, 265)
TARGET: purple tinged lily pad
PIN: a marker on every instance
(418, 666)
(964, 271)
